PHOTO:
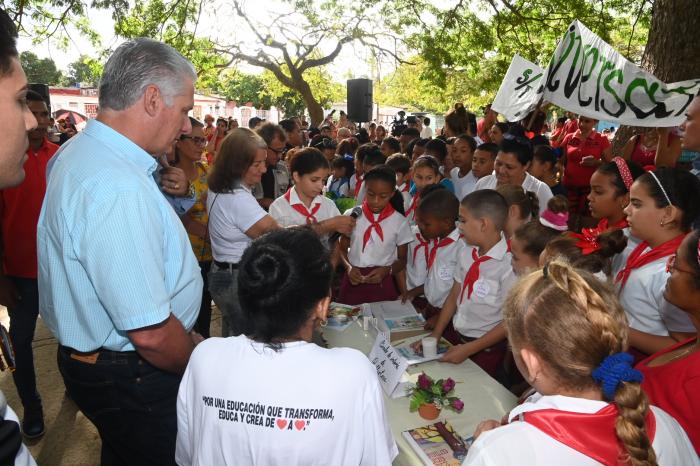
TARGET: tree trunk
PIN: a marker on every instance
(671, 53)
(312, 105)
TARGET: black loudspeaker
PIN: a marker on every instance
(43, 91)
(360, 100)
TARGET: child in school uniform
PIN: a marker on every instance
(437, 148)
(610, 194)
(304, 203)
(371, 157)
(527, 243)
(402, 166)
(377, 248)
(356, 178)
(523, 206)
(426, 171)
(484, 159)
(436, 218)
(481, 280)
(342, 170)
(568, 333)
(461, 175)
(663, 205)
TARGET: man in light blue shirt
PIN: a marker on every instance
(119, 285)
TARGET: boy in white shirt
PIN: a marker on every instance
(462, 175)
(402, 166)
(435, 217)
(482, 279)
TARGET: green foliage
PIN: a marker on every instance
(465, 50)
(41, 70)
(174, 22)
(264, 90)
(85, 71)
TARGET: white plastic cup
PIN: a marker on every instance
(429, 347)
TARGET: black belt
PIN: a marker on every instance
(226, 265)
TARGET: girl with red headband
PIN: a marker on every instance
(663, 204)
(610, 194)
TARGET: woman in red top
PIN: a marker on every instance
(672, 376)
(584, 151)
(654, 147)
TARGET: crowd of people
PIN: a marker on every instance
(568, 273)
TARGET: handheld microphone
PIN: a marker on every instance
(356, 212)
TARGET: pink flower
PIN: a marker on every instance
(458, 404)
(424, 382)
(448, 385)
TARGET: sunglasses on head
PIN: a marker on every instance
(519, 139)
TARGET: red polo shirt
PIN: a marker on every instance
(19, 214)
(575, 174)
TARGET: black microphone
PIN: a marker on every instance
(356, 212)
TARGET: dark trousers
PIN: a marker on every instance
(132, 404)
(204, 319)
(22, 325)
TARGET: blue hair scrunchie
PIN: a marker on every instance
(348, 157)
(614, 369)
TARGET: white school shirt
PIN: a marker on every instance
(282, 210)
(477, 315)
(643, 300)
(544, 193)
(406, 195)
(619, 260)
(340, 185)
(361, 193)
(230, 216)
(522, 444)
(378, 253)
(416, 263)
(440, 276)
(463, 185)
(288, 407)
(353, 183)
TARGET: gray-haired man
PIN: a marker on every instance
(119, 285)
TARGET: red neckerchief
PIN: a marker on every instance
(301, 208)
(638, 258)
(437, 245)
(358, 185)
(375, 224)
(604, 226)
(422, 243)
(592, 434)
(414, 203)
(405, 188)
(472, 274)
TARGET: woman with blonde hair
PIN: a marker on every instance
(568, 334)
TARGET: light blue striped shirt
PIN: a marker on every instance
(113, 255)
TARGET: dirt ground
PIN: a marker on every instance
(70, 439)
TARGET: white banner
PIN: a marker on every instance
(587, 76)
(520, 89)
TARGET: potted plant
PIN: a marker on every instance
(429, 396)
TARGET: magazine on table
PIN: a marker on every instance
(340, 316)
(416, 357)
(431, 445)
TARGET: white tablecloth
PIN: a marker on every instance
(483, 397)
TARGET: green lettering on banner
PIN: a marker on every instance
(659, 109)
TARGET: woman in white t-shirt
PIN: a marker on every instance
(568, 333)
(235, 218)
(512, 162)
(271, 397)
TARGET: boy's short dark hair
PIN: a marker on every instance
(438, 201)
(8, 43)
(487, 203)
(400, 163)
(393, 143)
(489, 147)
(413, 132)
(373, 157)
(437, 148)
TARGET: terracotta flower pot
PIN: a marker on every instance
(428, 411)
